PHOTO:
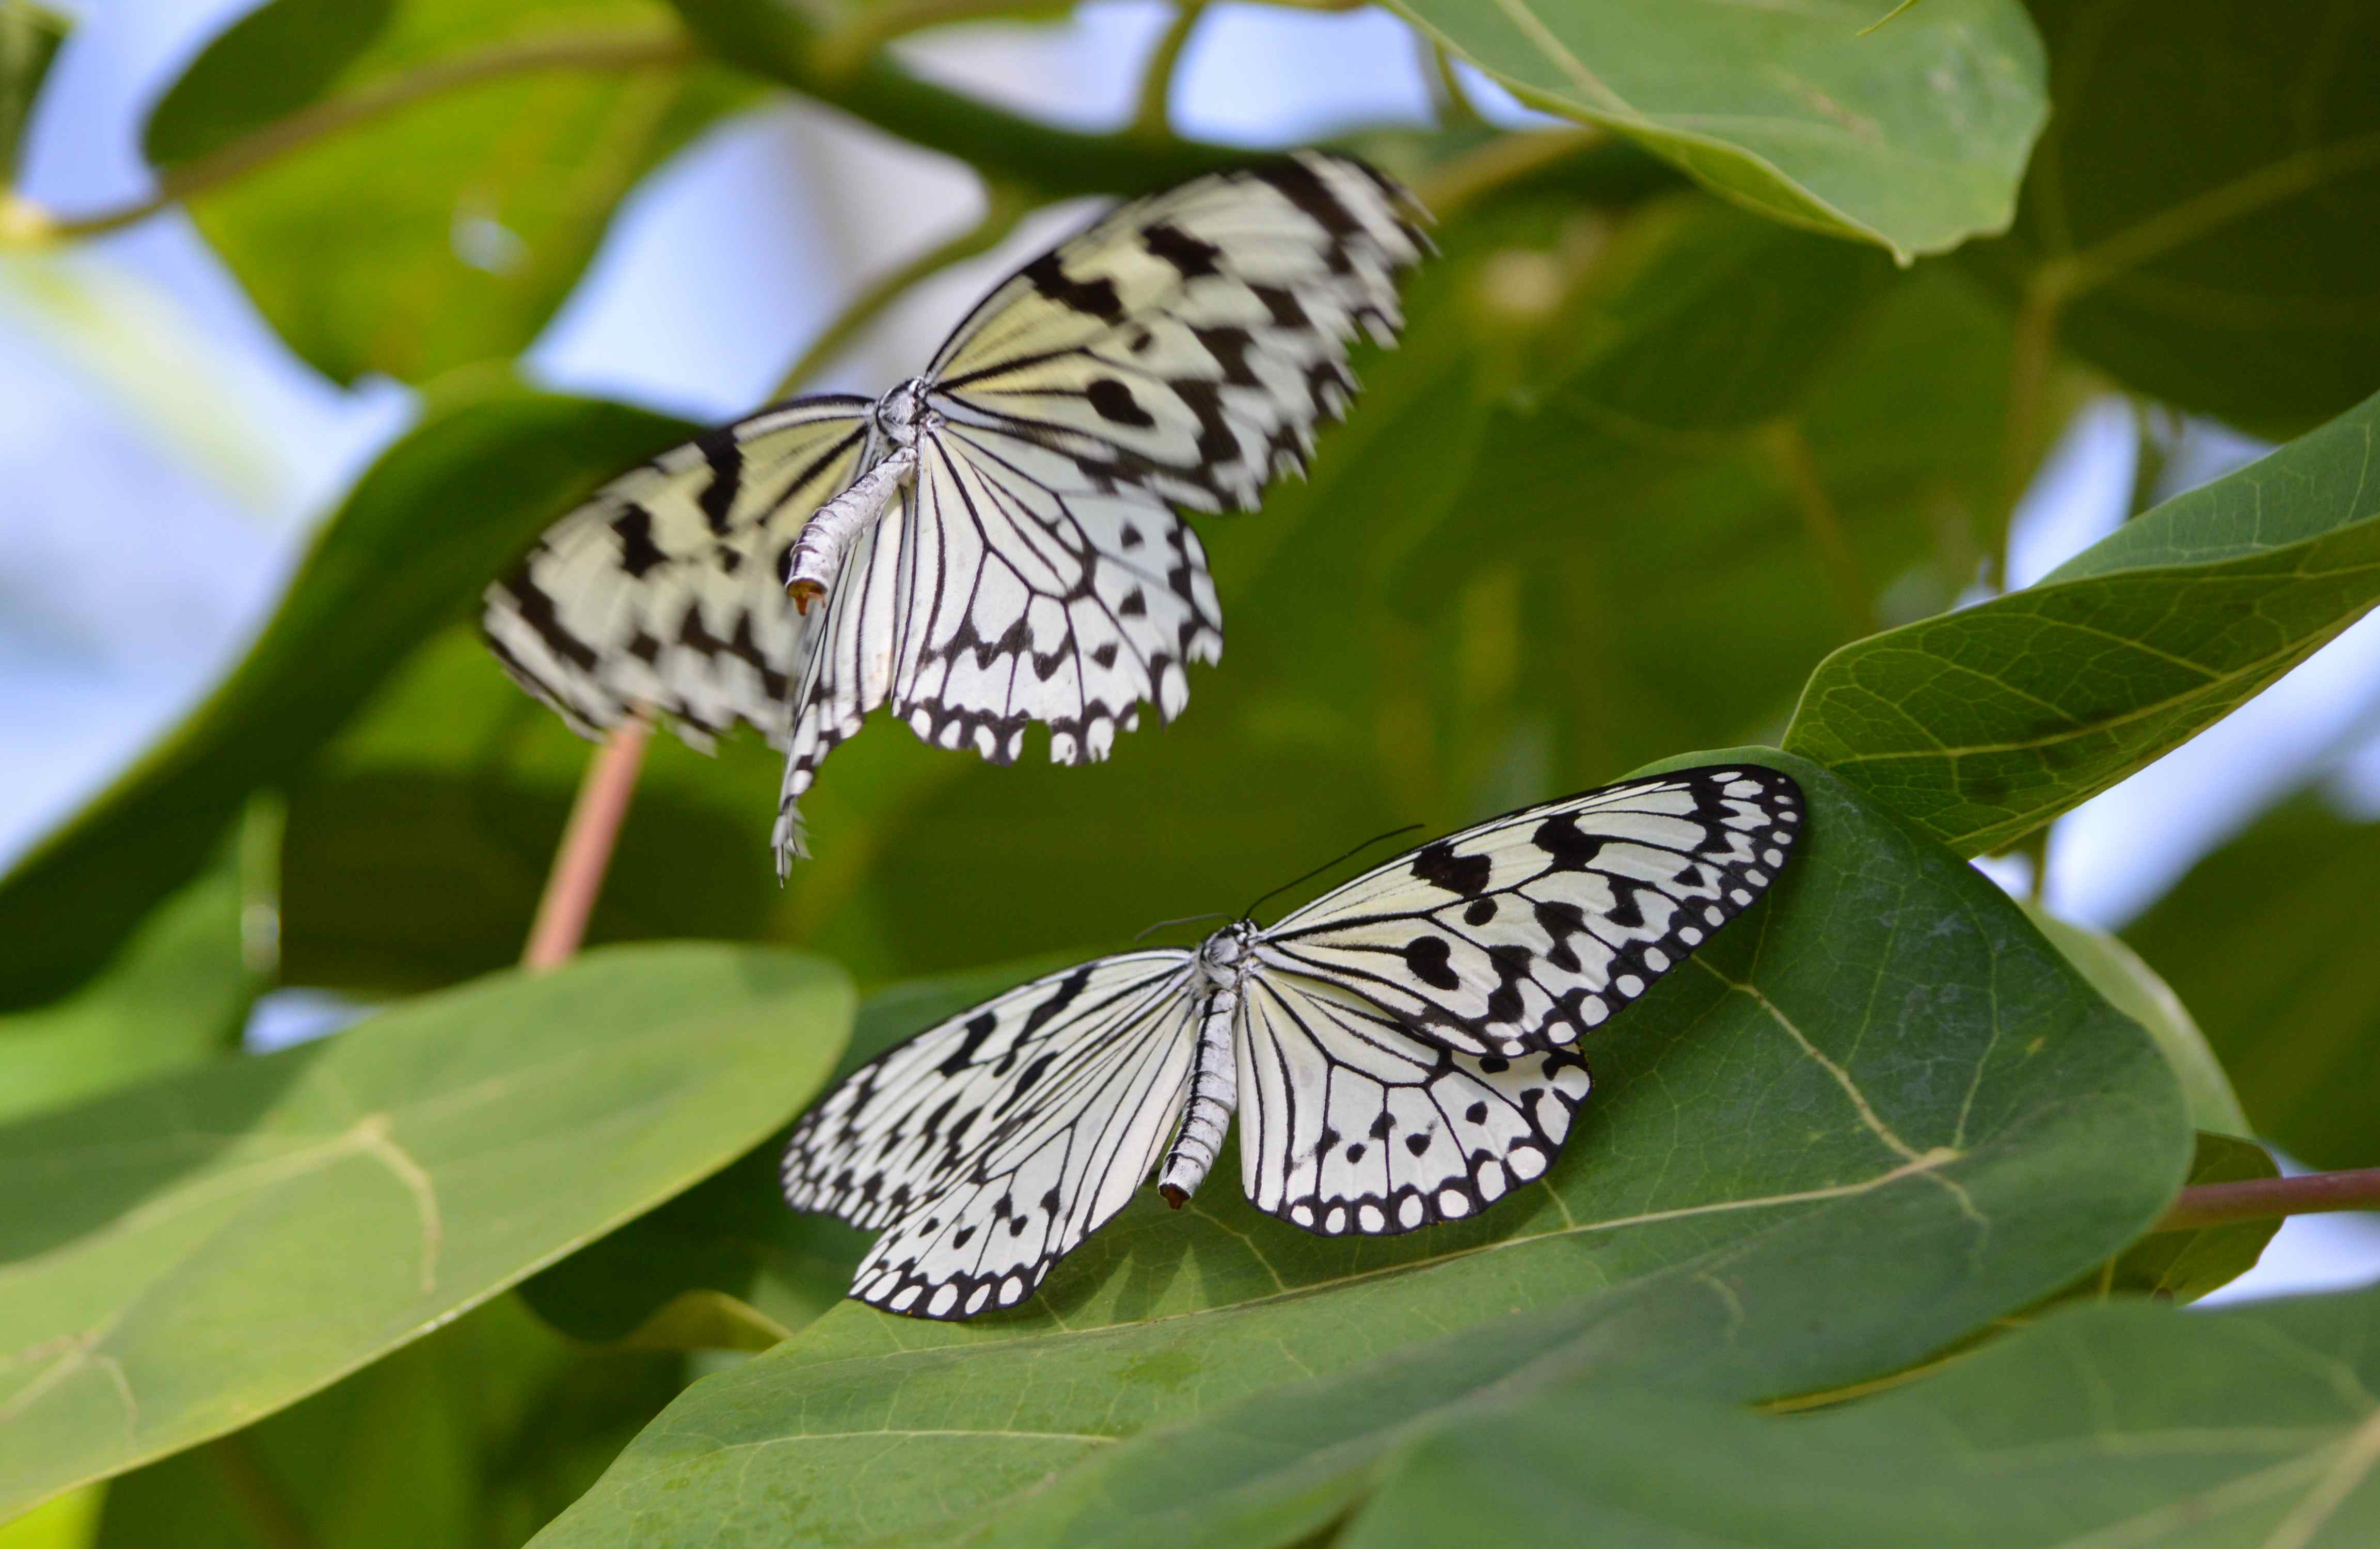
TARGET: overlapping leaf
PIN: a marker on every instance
(2197, 217)
(2252, 1427)
(2268, 940)
(1922, 1102)
(1913, 136)
(184, 1257)
(1984, 725)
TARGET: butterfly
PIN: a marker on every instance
(993, 543)
(1400, 1051)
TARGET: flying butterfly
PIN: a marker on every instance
(1400, 1051)
(995, 542)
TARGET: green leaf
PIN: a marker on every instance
(30, 36)
(267, 65)
(1982, 725)
(186, 1256)
(2250, 1427)
(2133, 988)
(2198, 217)
(403, 556)
(177, 993)
(1884, 1077)
(2184, 1267)
(476, 1436)
(2269, 940)
(1913, 138)
(481, 155)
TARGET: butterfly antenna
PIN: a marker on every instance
(1210, 914)
(1249, 912)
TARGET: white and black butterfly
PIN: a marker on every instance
(1178, 352)
(1400, 1051)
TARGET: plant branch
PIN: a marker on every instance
(1789, 452)
(772, 39)
(1153, 120)
(2216, 1204)
(1005, 206)
(586, 849)
(1507, 158)
(1449, 102)
(641, 51)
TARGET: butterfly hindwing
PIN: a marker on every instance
(988, 1146)
(1524, 932)
(1348, 1123)
(662, 591)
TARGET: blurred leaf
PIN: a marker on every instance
(1983, 725)
(1883, 1080)
(2269, 940)
(1913, 138)
(2198, 218)
(470, 1438)
(270, 63)
(2184, 1267)
(2133, 988)
(448, 229)
(177, 993)
(31, 35)
(2250, 1427)
(731, 1235)
(186, 1256)
(407, 553)
(68, 1521)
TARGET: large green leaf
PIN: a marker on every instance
(184, 1257)
(1984, 725)
(1913, 136)
(1882, 1084)
(2252, 1427)
(177, 993)
(2198, 217)
(2269, 941)
(404, 555)
(448, 229)
(471, 1438)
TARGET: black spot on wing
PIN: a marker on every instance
(1191, 257)
(1439, 866)
(1095, 297)
(638, 553)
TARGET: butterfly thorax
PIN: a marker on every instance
(899, 418)
(899, 414)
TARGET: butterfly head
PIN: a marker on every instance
(902, 413)
(1223, 956)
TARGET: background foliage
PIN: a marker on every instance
(1705, 433)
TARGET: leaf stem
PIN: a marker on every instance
(27, 223)
(1005, 205)
(1153, 118)
(586, 849)
(2216, 1205)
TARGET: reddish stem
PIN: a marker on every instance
(2216, 1204)
(579, 865)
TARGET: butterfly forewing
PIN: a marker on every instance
(1524, 932)
(1348, 1123)
(663, 591)
(991, 1145)
(1190, 341)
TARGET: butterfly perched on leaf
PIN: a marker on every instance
(1399, 1053)
(993, 543)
